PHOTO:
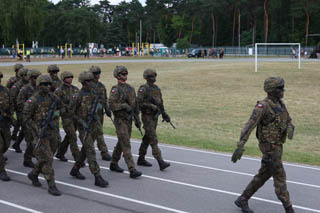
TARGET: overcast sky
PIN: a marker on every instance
(111, 1)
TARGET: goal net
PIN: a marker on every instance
(289, 51)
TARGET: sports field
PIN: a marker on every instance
(209, 102)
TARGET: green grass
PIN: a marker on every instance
(210, 102)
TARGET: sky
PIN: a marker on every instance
(113, 2)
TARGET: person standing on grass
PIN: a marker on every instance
(274, 125)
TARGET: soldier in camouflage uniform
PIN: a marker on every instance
(67, 92)
(10, 83)
(274, 125)
(103, 108)
(149, 94)
(5, 117)
(89, 128)
(35, 111)
(123, 104)
(25, 93)
(14, 92)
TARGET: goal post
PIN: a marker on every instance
(277, 44)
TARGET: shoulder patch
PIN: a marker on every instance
(141, 89)
(113, 90)
(259, 106)
(14, 86)
(30, 100)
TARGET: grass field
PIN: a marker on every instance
(209, 102)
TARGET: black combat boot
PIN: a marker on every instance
(16, 147)
(76, 173)
(242, 203)
(106, 156)
(5, 158)
(142, 162)
(29, 164)
(116, 168)
(289, 209)
(163, 165)
(4, 176)
(61, 157)
(134, 173)
(34, 179)
(99, 181)
(54, 191)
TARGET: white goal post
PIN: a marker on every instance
(276, 44)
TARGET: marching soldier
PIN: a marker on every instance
(150, 101)
(274, 125)
(123, 104)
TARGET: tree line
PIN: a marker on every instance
(208, 23)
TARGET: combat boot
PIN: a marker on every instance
(61, 157)
(116, 168)
(106, 156)
(142, 162)
(134, 173)
(76, 173)
(242, 203)
(163, 165)
(99, 181)
(4, 176)
(16, 147)
(34, 179)
(54, 191)
(5, 158)
(289, 209)
(29, 164)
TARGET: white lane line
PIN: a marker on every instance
(107, 194)
(19, 206)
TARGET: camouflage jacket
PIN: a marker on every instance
(67, 93)
(56, 82)
(12, 81)
(272, 120)
(120, 95)
(101, 89)
(14, 92)
(25, 93)
(5, 107)
(145, 93)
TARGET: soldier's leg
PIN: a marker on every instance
(19, 136)
(102, 146)
(29, 150)
(148, 125)
(5, 138)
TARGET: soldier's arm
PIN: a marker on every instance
(142, 100)
(253, 121)
(21, 99)
(115, 103)
(28, 111)
(13, 96)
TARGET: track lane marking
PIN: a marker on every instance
(19, 207)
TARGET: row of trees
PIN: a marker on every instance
(198, 22)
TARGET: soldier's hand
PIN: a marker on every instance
(237, 154)
(84, 124)
(166, 117)
(290, 131)
(108, 113)
(128, 108)
(154, 107)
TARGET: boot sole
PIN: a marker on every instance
(33, 183)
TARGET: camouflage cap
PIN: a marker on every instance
(53, 68)
(119, 69)
(271, 83)
(17, 67)
(1, 75)
(44, 79)
(149, 72)
(33, 73)
(84, 76)
(95, 69)
(66, 74)
(23, 71)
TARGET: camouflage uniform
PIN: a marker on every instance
(67, 94)
(123, 104)
(272, 120)
(35, 111)
(25, 93)
(5, 137)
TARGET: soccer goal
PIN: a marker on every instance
(287, 49)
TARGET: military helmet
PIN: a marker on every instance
(95, 69)
(17, 67)
(1, 75)
(66, 74)
(33, 73)
(149, 72)
(119, 69)
(84, 76)
(22, 71)
(53, 68)
(44, 79)
(271, 83)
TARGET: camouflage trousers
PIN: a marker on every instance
(5, 139)
(271, 166)
(70, 128)
(88, 150)
(102, 146)
(44, 154)
(30, 142)
(123, 129)
(18, 133)
(150, 137)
